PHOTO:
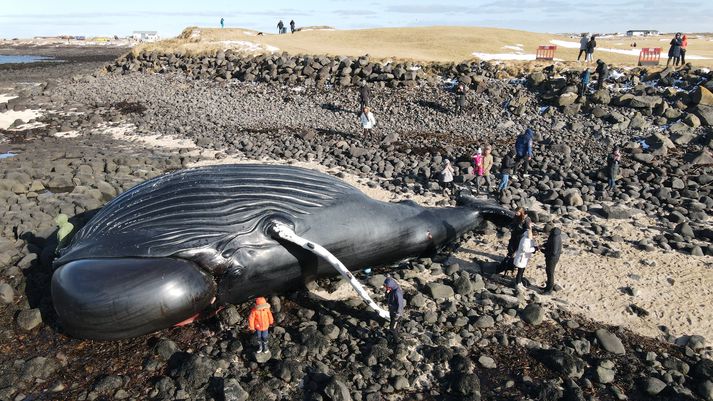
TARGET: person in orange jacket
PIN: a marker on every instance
(259, 321)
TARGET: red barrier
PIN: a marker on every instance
(546, 52)
(650, 56)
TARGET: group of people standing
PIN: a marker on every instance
(282, 29)
(483, 162)
(586, 47)
(677, 51)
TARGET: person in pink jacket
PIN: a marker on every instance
(478, 168)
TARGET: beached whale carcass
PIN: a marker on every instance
(181, 243)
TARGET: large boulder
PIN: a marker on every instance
(704, 113)
(440, 291)
(610, 342)
(644, 102)
(701, 95)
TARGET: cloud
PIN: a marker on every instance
(355, 12)
(431, 9)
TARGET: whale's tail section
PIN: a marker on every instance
(488, 210)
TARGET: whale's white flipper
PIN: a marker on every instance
(284, 232)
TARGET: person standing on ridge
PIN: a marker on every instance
(523, 151)
(583, 46)
(590, 48)
(552, 251)
(259, 321)
(602, 73)
(280, 27)
(292, 26)
(674, 52)
(684, 45)
(222, 22)
(395, 301)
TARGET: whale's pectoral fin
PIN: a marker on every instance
(109, 299)
(489, 211)
(281, 231)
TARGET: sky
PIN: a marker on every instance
(28, 18)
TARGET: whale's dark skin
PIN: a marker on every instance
(159, 253)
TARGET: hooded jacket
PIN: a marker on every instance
(553, 247)
(523, 144)
(507, 164)
(395, 297)
(260, 317)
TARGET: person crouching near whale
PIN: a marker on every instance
(395, 301)
(260, 320)
(522, 257)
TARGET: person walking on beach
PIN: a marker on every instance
(292, 26)
(259, 321)
(583, 41)
(684, 45)
(523, 151)
(222, 22)
(585, 78)
(395, 301)
(364, 95)
(460, 97)
(590, 48)
(506, 166)
(447, 175)
(367, 120)
(674, 52)
(613, 168)
(280, 27)
(525, 250)
(602, 73)
(552, 251)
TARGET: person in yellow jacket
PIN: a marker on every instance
(260, 320)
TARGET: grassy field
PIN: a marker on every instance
(441, 44)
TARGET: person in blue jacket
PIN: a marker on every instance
(523, 150)
(396, 303)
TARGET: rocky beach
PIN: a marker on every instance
(630, 317)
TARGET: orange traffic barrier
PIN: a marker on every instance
(546, 52)
(650, 56)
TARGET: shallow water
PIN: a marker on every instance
(24, 59)
(7, 155)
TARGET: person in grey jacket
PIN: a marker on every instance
(583, 45)
(396, 303)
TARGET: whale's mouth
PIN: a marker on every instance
(487, 210)
(109, 299)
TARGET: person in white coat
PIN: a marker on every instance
(367, 120)
(522, 256)
(447, 175)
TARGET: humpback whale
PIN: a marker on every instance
(186, 242)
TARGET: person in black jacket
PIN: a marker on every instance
(292, 26)
(364, 95)
(506, 166)
(602, 73)
(552, 251)
(590, 48)
(461, 90)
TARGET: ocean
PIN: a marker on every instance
(23, 59)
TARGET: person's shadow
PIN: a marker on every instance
(433, 106)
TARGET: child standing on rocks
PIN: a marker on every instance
(506, 167)
(367, 120)
(478, 168)
(259, 321)
(447, 175)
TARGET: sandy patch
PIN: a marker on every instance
(675, 289)
(9, 117)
